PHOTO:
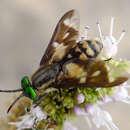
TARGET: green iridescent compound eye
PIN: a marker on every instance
(29, 92)
(27, 88)
(25, 82)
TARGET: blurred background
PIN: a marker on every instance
(26, 27)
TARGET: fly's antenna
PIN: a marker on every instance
(15, 102)
(11, 91)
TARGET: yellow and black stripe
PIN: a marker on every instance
(90, 48)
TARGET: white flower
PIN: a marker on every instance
(28, 120)
(105, 99)
(89, 108)
(100, 117)
(80, 98)
(69, 126)
(109, 42)
(121, 93)
(95, 115)
(78, 111)
(38, 113)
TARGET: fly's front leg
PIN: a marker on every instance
(42, 96)
(39, 99)
(59, 89)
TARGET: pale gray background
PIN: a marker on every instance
(26, 27)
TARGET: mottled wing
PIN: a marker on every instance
(64, 37)
(90, 74)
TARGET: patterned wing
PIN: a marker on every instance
(63, 39)
(90, 74)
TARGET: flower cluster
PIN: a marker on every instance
(56, 111)
(30, 119)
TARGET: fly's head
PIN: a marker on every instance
(28, 89)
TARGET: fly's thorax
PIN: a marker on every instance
(45, 74)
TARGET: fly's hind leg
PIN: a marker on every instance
(108, 59)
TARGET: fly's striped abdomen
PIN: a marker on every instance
(86, 49)
(90, 48)
(45, 74)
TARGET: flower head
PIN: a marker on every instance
(121, 94)
(101, 118)
(28, 120)
(94, 114)
(110, 43)
(78, 111)
(80, 98)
